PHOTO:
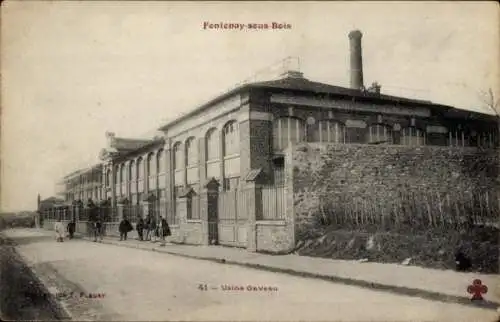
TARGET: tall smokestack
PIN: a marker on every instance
(356, 60)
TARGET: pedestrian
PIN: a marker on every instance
(147, 224)
(164, 230)
(124, 228)
(98, 230)
(139, 227)
(59, 229)
(153, 229)
(71, 229)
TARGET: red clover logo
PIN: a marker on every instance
(477, 289)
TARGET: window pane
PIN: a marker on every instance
(159, 162)
(140, 169)
(231, 139)
(132, 171)
(212, 145)
(178, 156)
(191, 152)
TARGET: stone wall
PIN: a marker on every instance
(329, 178)
(273, 237)
(191, 233)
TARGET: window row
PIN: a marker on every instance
(214, 148)
(135, 170)
(289, 129)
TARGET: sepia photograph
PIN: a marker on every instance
(250, 161)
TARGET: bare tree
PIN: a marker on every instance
(492, 103)
(489, 100)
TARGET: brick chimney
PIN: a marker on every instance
(356, 60)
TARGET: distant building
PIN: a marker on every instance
(220, 173)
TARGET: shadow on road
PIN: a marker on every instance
(23, 297)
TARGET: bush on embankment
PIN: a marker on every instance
(433, 248)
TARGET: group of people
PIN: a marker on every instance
(61, 231)
(147, 230)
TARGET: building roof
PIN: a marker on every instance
(52, 200)
(127, 144)
(80, 171)
(120, 147)
(305, 85)
(301, 84)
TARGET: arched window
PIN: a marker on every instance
(231, 143)
(122, 173)
(122, 189)
(140, 178)
(178, 164)
(380, 134)
(140, 169)
(108, 177)
(131, 171)
(412, 136)
(330, 131)
(287, 129)
(132, 177)
(151, 165)
(160, 167)
(115, 174)
(212, 145)
(191, 152)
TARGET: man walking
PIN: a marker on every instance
(164, 230)
(153, 229)
(140, 228)
(98, 230)
(147, 224)
(71, 229)
(124, 228)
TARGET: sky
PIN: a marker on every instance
(73, 70)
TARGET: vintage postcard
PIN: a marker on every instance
(250, 161)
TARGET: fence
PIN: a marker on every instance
(273, 203)
(162, 211)
(105, 214)
(416, 209)
(133, 212)
(158, 210)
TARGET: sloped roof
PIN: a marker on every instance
(81, 171)
(52, 199)
(120, 147)
(304, 85)
(126, 144)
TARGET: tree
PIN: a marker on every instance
(492, 103)
(489, 100)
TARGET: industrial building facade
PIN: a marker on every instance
(223, 173)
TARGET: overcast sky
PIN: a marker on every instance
(73, 70)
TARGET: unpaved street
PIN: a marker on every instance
(144, 285)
